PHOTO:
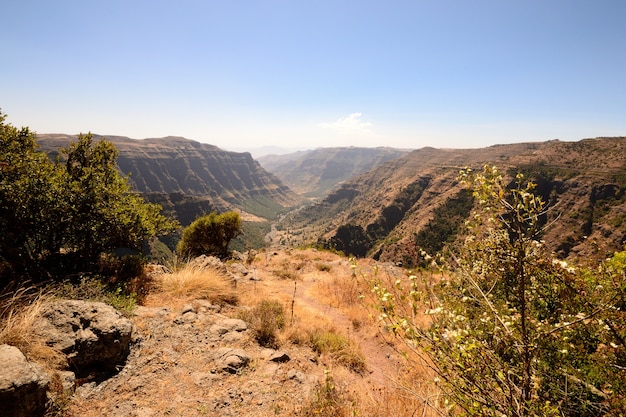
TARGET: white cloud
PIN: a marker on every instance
(350, 125)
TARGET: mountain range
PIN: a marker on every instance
(382, 202)
(313, 173)
(415, 202)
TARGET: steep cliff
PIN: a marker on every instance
(179, 173)
(414, 202)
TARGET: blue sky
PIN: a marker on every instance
(304, 74)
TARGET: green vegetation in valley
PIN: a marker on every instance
(252, 236)
(448, 219)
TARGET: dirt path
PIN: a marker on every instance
(382, 360)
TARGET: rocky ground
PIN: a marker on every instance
(194, 358)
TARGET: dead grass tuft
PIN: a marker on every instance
(20, 319)
(330, 400)
(327, 342)
(192, 282)
(266, 319)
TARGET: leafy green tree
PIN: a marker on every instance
(210, 235)
(32, 209)
(513, 332)
(59, 218)
(106, 213)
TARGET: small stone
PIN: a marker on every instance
(294, 374)
(188, 317)
(231, 359)
(187, 308)
(280, 357)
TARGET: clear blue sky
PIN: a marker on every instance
(244, 74)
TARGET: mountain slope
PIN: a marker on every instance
(182, 169)
(314, 173)
(415, 202)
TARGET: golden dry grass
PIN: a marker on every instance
(20, 319)
(192, 282)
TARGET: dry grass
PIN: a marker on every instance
(190, 282)
(20, 319)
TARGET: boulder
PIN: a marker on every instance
(94, 336)
(23, 385)
(231, 360)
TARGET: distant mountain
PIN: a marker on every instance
(190, 177)
(314, 173)
(414, 202)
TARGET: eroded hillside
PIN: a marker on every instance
(415, 202)
(188, 175)
(314, 173)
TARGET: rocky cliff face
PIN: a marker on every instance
(176, 171)
(314, 173)
(415, 202)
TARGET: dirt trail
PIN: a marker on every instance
(382, 360)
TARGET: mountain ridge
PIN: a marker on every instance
(174, 165)
(415, 202)
(313, 173)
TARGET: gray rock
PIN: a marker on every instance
(187, 308)
(296, 375)
(231, 359)
(94, 336)
(228, 325)
(204, 306)
(188, 317)
(23, 385)
(279, 357)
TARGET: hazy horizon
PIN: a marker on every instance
(409, 74)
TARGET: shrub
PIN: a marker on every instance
(265, 319)
(329, 400)
(514, 332)
(209, 235)
(341, 349)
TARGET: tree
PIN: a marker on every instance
(512, 331)
(106, 214)
(210, 235)
(59, 218)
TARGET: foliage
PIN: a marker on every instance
(210, 235)
(252, 236)
(340, 348)
(59, 218)
(514, 332)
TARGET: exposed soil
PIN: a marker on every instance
(175, 369)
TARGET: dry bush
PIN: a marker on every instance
(326, 341)
(330, 400)
(265, 320)
(20, 318)
(323, 267)
(192, 282)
